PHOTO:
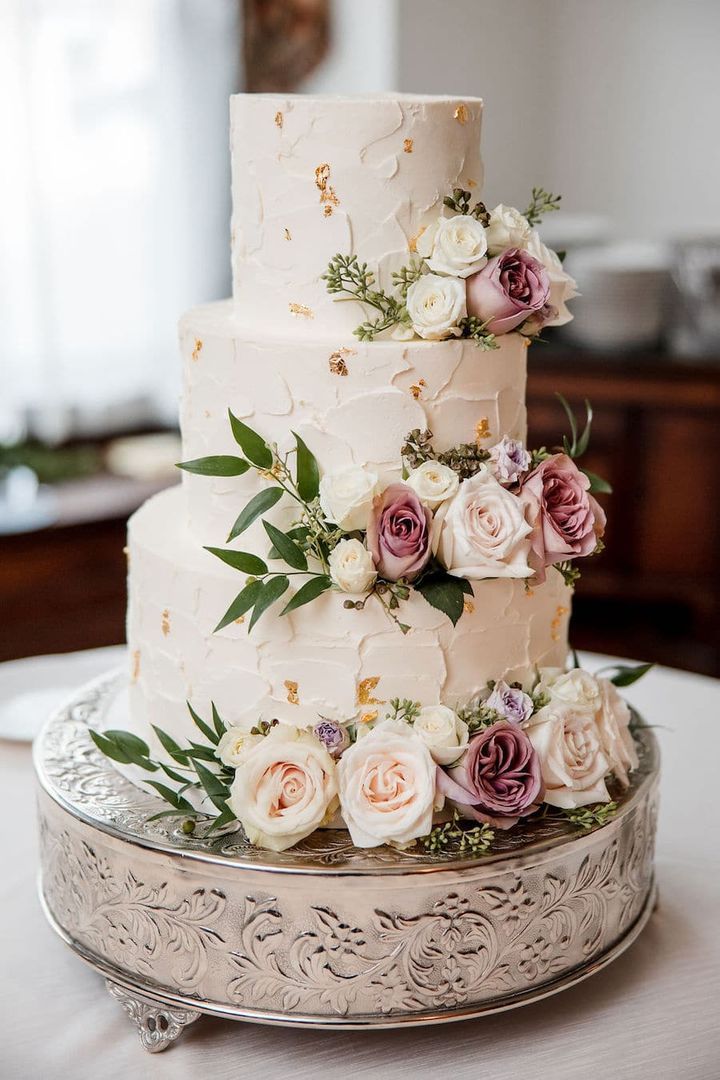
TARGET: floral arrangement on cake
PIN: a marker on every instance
(432, 774)
(479, 274)
(461, 515)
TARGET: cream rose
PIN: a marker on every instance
(433, 483)
(574, 687)
(481, 532)
(284, 789)
(562, 286)
(436, 305)
(387, 786)
(352, 567)
(236, 744)
(443, 732)
(507, 229)
(567, 741)
(456, 246)
(346, 496)
(615, 736)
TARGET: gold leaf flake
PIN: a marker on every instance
(365, 691)
(408, 146)
(468, 606)
(292, 692)
(529, 591)
(197, 350)
(482, 429)
(471, 183)
(165, 624)
(461, 114)
(287, 234)
(412, 242)
(369, 717)
(337, 364)
(240, 621)
(328, 198)
(301, 311)
(417, 389)
(555, 624)
(135, 667)
(528, 342)
(278, 119)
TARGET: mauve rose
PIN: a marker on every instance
(566, 520)
(499, 779)
(398, 533)
(508, 290)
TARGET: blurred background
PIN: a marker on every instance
(114, 218)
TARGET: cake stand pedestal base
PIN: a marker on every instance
(324, 935)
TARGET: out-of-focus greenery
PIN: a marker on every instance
(50, 464)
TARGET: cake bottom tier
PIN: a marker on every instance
(321, 660)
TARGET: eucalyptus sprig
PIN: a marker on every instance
(407, 275)
(466, 459)
(542, 202)
(577, 444)
(345, 274)
(454, 838)
(590, 817)
(403, 709)
(477, 715)
(460, 201)
(475, 329)
(569, 572)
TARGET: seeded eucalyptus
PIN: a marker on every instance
(453, 838)
(466, 459)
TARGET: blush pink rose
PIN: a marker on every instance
(398, 533)
(566, 520)
(509, 289)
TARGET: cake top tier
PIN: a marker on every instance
(318, 176)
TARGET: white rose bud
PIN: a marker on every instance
(443, 732)
(236, 744)
(436, 305)
(507, 229)
(346, 496)
(352, 567)
(482, 532)
(433, 483)
(456, 246)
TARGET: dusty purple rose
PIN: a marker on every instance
(333, 736)
(509, 289)
(567, 521)
(508, 460)
(398, 533)
(510, 702)
(498, 780)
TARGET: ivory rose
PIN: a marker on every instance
(566, 520)
(615, 735)
(352, 567)
(399, 533)
(507, 229)
(508, 290)
(574, 687)
(481, 532)
(436, 305)
(568, 743)
(387, 786)
(284, 789)
(346, 496)
(433, 483)
(236, 744)
(454, 246)
(443, 732)
(562, 286)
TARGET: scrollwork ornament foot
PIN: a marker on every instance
(157, 1025)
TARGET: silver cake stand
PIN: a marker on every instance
(324, 935)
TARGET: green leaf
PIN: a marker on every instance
(169, 813)
(220, 727)
(225, 818)
(444, 593)
(626, 674)
(201, 753)
(597, 484)
(261, 502)
(218, 465)
(307, 477)
(241, 604)
(312, 588)
(202, 726)
(172, 774)
(137, 751)
(466, 586)
(108, 748)
(253, 445)
(569, 447)
(290, 553)
(170, 746)
(299, 534)
(171, 796)
(240, 560)
(576, 659)
(216, 791)
(271, 591)
(582, 443)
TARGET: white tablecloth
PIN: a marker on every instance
(654, 1013)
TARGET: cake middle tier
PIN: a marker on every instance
(320, 660)
(351, 402)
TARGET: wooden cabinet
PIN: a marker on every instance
(654, 592)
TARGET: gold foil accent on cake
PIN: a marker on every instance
(287, 234)
(292, 692)
(461, 114)
(278, 119)
(197, 350)
(135, 666)
(555, 624)
(239, 621)
(365, 691)
(301, 311)
(337, 363)
(368, 717)
(468, 606)
(165, 623)
(417, 388)
(408, 146)
(482, 429)
(528, 342)
(471, 183)
(328, 197)
(412, 242)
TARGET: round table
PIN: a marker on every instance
(653, 1013)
